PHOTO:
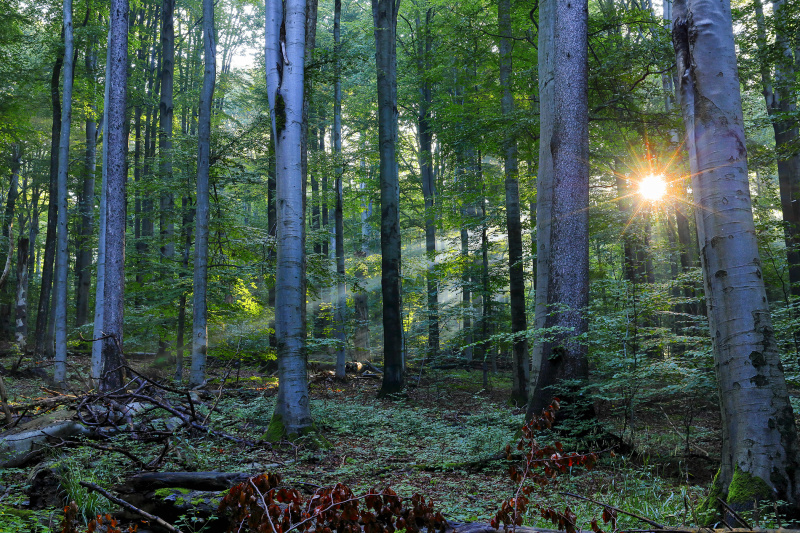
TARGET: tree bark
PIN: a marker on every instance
(21, 315)
(166, 114)
(341, 300)
(42, 347)
(83, 259)
(99, 300)
(62, 252)
(759, 438)
(285, 58)
(425, 159)
(516, 266)
(199, 333)
(782, 103)
(114, 286)
(562, 288)
(384, 14)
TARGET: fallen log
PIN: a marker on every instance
(151, 481)
(45, 403)
(17, 445)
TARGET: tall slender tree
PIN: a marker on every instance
(202, 213)
(62, 251)
(384, 14)
(341, 296)
(519, 320)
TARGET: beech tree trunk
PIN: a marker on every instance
(83, 259)
(114, 286)
(166, 114)
(759, 437)
(21, 315)
(425, 159)
(782, 103)
(199, 333)
(562, 288)
(519, 321)
(99, 300)
(62, 252)
(285, 59)
(341, 296)
(384, 14)
(42, 347)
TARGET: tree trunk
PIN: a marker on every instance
(361, 299)
(200, 309)
(285, 58)
(516, 267)
(384, 14)
(42, 347)
(759, 438)
(562, 289)
(341, 300)
(114, 286)
(186, 232)
(21, 315)
(62, 253)
(425, 159)
(83, 259)
(166, 114)
(99, 300)
(781, 103)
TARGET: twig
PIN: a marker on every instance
(735, 514)
(219, 396)
(266, 507)
(90, 444)
(128, 506)
(636, 516)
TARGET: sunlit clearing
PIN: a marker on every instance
(653, 188)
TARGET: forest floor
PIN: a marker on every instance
(435, 442)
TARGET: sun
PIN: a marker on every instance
(653, 187)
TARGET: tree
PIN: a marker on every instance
(202, 213)
(384, 14)
(341, 296)
(562, 286)
(114, 286)
(759, 446)
(285, 58)
(62, 253)
(519, 321)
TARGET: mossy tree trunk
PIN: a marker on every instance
(759, 438)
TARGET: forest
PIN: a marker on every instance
(324, 265)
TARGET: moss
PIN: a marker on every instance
(276, 430)
(310, 435)
(166, 493)
(745, 488)
(708, 511)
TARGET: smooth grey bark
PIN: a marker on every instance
(83, 256)
(562, 288)
(99, 300)
(43, 347)
(285, 58)
(425, 161)
(341, 296)
(166, 114)
(360, 298)
(519, 321)
(781, 102)
(186, 234)
(384, 15)
(197, 373)
(114, 286)
(759, 437)
(62, 251)
(21, 312)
